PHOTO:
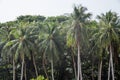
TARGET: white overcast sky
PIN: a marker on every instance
(10, 9)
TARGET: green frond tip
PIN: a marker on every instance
(39, 78)
(10, 43)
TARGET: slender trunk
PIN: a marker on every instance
(74, 66)
(35, 66)
(100, 70)
(79, 75)
(111, 61)
(80, 70)
(25, 73)
(92, 67)
(8, 72)
(52, 72)
(13, 69)
(78, 62)
(92, 70)
(109, 71)
(45, 67)
(22, 69)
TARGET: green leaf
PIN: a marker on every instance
(9, 43)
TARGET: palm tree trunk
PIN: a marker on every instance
(100, 70)
(92, 70)
(109, 71)
(111, 65)
(35, 66)
(13, 69)
(25, 73)
(74, 66)
(45, 70)
(52, 72)
(92, 67)
(79, 75)
(44, 66)
(22, 69)
(111, 61)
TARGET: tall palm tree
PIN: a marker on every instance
(5, 37)
(21, 44)
(95, 46)
(75, 34)
(50, 42)
(108, 33)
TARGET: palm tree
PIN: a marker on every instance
(50, 42)
(78, 19)
(21, 44)
(5, 37)
(108, 33)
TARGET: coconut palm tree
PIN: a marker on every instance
(75, 34)
(108, 33)
(50, 41)
(5, 37)
(21, 44)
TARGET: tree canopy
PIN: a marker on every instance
(73, 47)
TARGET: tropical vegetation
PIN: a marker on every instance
(65, 47)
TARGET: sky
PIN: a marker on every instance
(11, 9)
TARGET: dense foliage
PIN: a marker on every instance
(71, 47)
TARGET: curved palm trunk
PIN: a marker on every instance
(79, 75)
(100, 70)
(74, 66)
(109, 71)
(92, 67)
(43, 62)
(21, 78)
(111, 65)
(52, 72)
(13, 69)
(25, 73)
(92, 70)
(35, 66)
(111, 61)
